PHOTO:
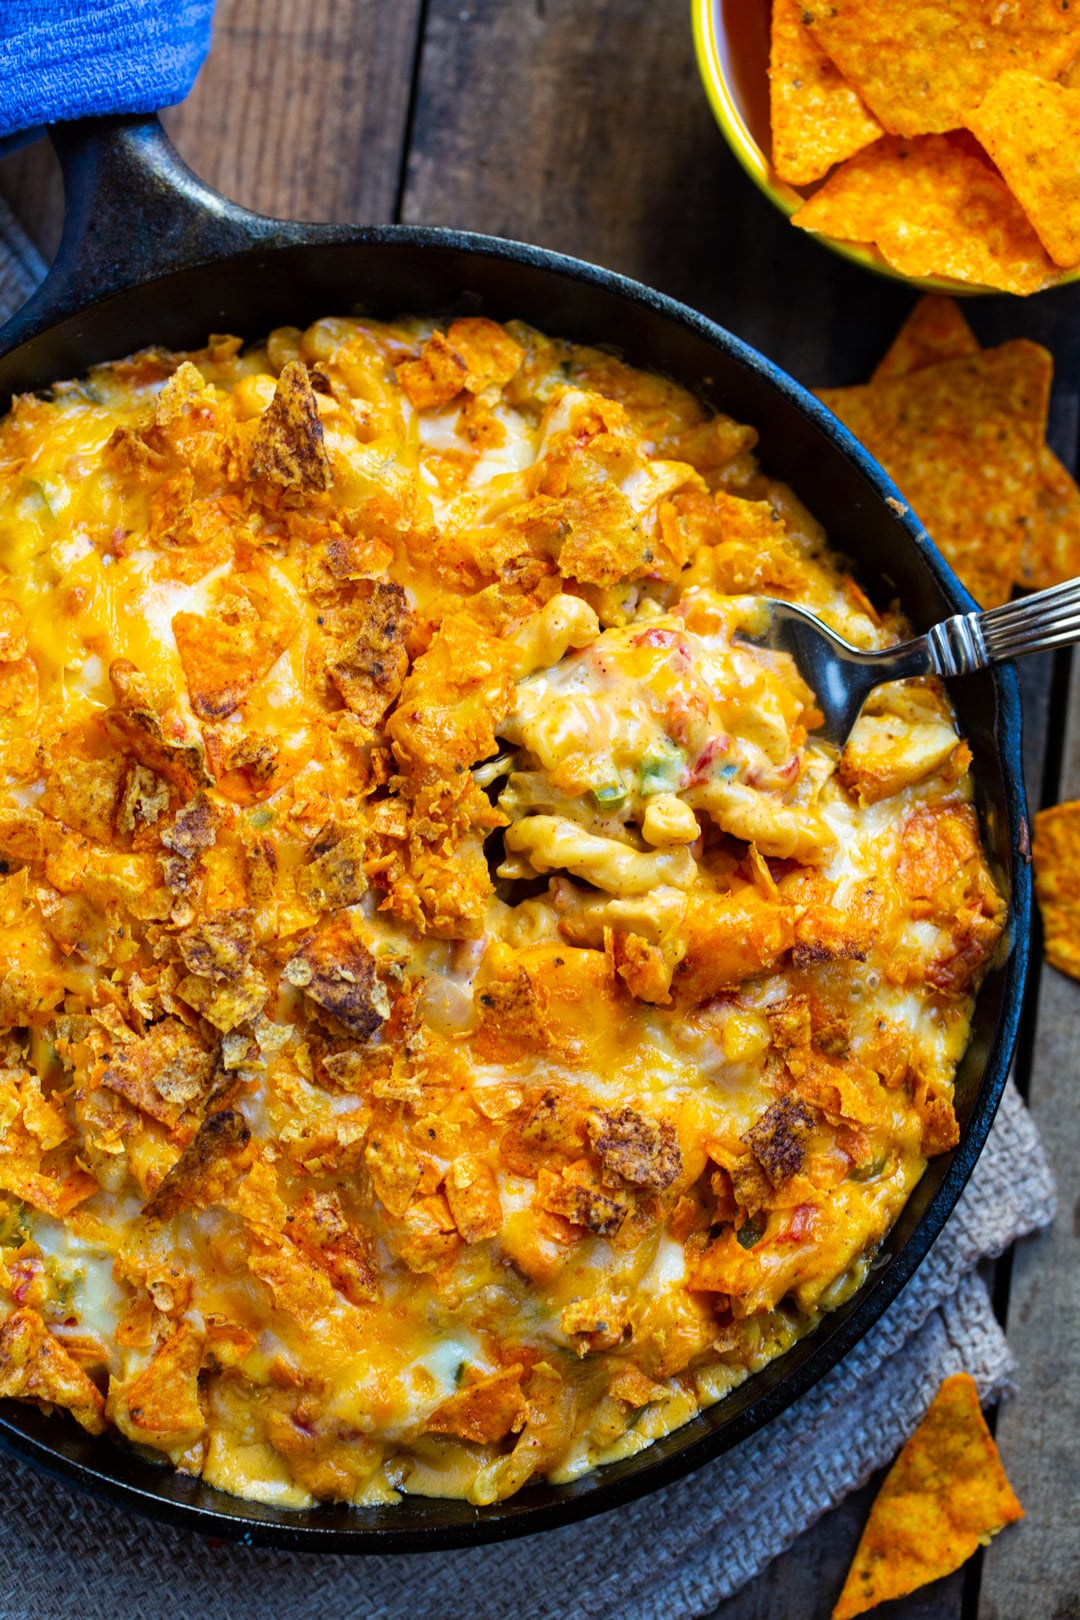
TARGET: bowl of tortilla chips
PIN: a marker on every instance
(935, 144)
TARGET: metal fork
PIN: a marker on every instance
(842, 677)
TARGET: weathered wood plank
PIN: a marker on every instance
(1035, 1569)
(301, 110)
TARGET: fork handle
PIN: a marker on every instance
(971, 641)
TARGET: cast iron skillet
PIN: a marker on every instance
(151, 255)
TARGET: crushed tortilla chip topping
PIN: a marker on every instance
(395, 836)
(928, 78)
(936, 331)
(945, 1495)
(931, 209)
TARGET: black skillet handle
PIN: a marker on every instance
(132, 210)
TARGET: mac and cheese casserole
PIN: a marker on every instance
(456, 1020)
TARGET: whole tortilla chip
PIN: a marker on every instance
(922, 65)
(35, 1367)
(945, 1495)
(1051, 551)
(817, 118)
(931, 209)
(1031, 129)
(336, 972)
(963, 441)
(935, 330)
(1055, 856)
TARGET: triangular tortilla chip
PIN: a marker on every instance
(945, 1495)
(931, 209)
(920, 66)
(817, 118)
(963, 441)
(225, 655)
(1055, 856)
(1051, 552)
(935, 330)
(1031, 129)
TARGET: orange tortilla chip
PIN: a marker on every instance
(1031, 129)
(945, 1495)
(217, 1155)
(817, 118)
(35, 1367)
(14, 631)
(483, 1411)
(935, 330)
(1055, 856)
(1051, 551)
(931, 209)
(162, 1401)
(963, 441)
(224, 658)
(436, 377)
(487, 349)
(288, 449)
(921, 66)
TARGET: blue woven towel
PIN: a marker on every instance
(69, 58)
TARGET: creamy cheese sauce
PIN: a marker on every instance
(458, 1018)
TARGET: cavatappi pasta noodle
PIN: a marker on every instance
(457, 1021)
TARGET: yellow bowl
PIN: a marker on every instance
(731, 40)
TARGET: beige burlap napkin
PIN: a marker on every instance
(675, 1553)
(678, 1552)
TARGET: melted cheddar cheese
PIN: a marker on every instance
(456, 1018)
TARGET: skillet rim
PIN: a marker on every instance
(709, 1435)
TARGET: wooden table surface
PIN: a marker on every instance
(581, 125)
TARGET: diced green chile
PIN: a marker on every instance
(752, 1230)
